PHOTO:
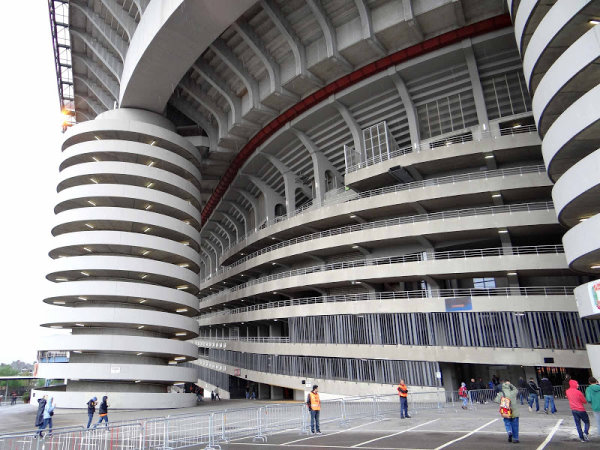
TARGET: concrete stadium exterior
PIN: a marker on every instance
(264, 195)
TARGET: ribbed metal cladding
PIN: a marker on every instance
(125, 262)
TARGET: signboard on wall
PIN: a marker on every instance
(237, 372)
(594, 288)
(458, 304)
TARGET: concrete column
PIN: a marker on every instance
(275, 329)
(482, 116)
(276, 393)
(264, 391)
(271, 197)
(409, 107)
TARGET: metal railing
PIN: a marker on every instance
(438, 143)
(411, 257)
(451, 179)
(443, 215)
(400, 295)
(8, 401)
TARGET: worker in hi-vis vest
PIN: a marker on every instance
(403, 394)
(314, 406)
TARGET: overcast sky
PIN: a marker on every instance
(31, 134)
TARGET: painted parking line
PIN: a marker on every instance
(394, 434)
(550, 435)
(317, 446)
(330, 434)
(470, 433)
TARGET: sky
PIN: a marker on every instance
(30, 127)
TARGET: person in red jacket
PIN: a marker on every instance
(576, 403)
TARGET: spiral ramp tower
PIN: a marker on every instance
(125, 263)
(559, 42)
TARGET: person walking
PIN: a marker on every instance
(547, 390)
(47, 418)
(576, 403)
(39, 416)
(510, 411)
(463, 395)
(592, 395)
(217, 394)
(403, 394)
(91, 406)
(13, 399)
(314, 406)
(247, 392)
(103, 412)
(523, 390)
(532, 391)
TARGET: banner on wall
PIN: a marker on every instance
(594, 288)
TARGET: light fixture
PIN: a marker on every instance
(180, 358)
(55, 326)
(184, 265)
(151, 163)
(145, 230)
(502, 231)
(273, 264)
(95, 159)
(76, 351)
(91, 203)
(519, 314)
(143, 300)
(85, 273)
(87, 249)
(83, 298)
(97, 138)
(80, 325)
(595, 266)
(273, 239)
(59, 302)
(143, 277)
(583, 219)
(93, 180)
(62, 279)
(517, 125)
(182, 287)
(352, 216)
(496, 195)
(242, 254)
(139, 354)
(185, 242)
(182, 333)
(150, 184)
(489, 156)
(145, 252)
(181, 310)
(511, 274)
(594, 21)
(153, 142)
(137, 381)
(89, 225)
(355, 246)
(140, 327)
(148, 207)
(172, 362)
(274, 292)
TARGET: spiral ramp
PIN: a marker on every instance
(123, 276)
(559, 43)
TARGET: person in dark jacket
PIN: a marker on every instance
(547, 390)
(39, 416)
(103, 411)
(532, 391)
(522, 389)
(91, 405)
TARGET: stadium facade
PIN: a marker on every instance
(265, 195)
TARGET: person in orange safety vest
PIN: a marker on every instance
(403, 394)
(314, 406)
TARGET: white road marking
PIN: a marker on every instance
(466, 435)
(394, 434)
(549, 437)
(330, 434)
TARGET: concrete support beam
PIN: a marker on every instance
(366, 24)
(352, 125)
(254, 202)
(195, 92)
(121, 16)
(271, 197)
(104, 78)
(106, 57)
(328, 33)
(103, 97)
(196, 116)
(409, 108)
(296, 46)
(290, 183)
(482, 116)
(409, 17)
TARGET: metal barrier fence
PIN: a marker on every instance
(209, 429)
